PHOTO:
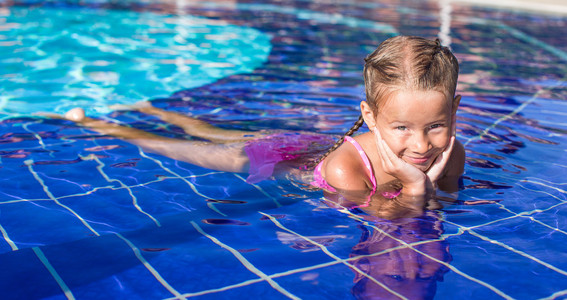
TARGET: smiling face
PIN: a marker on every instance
(416, 125)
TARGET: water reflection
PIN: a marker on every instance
(404, 257)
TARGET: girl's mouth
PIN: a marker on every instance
(417, 160)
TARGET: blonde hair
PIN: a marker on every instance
(404, 62)
(411, 63)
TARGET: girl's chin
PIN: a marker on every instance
(422, 167)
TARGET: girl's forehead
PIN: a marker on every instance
(415, 107)
(405, 99)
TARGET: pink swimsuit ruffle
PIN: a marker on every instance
(264, 153)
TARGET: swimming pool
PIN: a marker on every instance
(91, 217)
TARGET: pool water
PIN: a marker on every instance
(88, 216)
(58, 58)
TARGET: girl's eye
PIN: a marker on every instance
(402, 128)
(436, 126)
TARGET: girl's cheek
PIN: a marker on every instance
(442, 138)
(442, 141)
(396, 144)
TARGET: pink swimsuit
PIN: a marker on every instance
(264, 153)
(320, 182)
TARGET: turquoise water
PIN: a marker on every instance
(57, 59)
(87, 216)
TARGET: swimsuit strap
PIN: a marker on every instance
(322, 183)
(365, 160)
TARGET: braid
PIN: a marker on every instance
(352, 130)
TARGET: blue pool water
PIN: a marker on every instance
(57, 59)
(87, 216)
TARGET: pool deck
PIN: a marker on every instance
(558, 7)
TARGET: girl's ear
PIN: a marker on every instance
(456, 102)
(367, 115)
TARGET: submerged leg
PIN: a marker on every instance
(228, 157)
(196, 127)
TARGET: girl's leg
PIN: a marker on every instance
(196, 127)
(228, 157)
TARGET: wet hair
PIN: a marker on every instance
(404, 63)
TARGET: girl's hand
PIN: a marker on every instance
(412, 179)
(436, 170)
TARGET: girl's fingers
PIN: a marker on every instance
(383, 151)
(454, 128)
(450, 146)
(382, 146)
(390, 161)
(448, 151)
(437, 168)
(444, 156)
(392, 157)
(379, 144)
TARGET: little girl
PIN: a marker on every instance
(411, 149)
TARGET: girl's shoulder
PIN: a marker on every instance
(344, 169)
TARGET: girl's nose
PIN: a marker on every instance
(420, 143)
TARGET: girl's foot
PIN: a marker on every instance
(76, 114)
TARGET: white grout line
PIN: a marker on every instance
(192, 186)
(152, 270)
(547, 186)
(7, 238)
(222, 289)
(36, 135)
(449, 266)
(108, 179)
(495, 242)
(525, 214)
(53, 273)
(518, 109)
(555, 295)
(107, 187)
(215, 209)
(305, 269)
(29, 163)
(529, 179)
(261, 190)
(245, 262)
(336, 258)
